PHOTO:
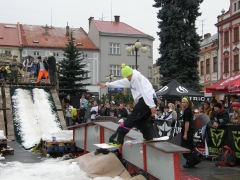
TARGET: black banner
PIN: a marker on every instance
(216, 138)
(230, 136)
(234, 140)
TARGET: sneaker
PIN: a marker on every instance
(150, 140)
(114, 143)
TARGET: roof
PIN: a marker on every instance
(9, 34)
(115, 27)
(35, 36)
(209, 40)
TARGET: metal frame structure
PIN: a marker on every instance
(160, 159)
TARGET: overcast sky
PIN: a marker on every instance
(137, 13)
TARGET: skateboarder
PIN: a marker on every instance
(145, 99)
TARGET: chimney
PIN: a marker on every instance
(208, 35)
(90, 20)
(67, 30)
(46, 29)
(116, 18)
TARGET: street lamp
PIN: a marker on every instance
(135, 47)
(110, 76)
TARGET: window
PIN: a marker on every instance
(7, 52)
(55, 54)
(24, 53)
(226, 65)
(236, 62)
(114, 48)
(86, 68)
(236, 34)
(149, 72)
(208, 66)
(133, 67)
(133, 52)
(115, 70)
(202, 68)
(226, 38)
(149, 51)
(235, 7)
(35, 53)
(215, 64)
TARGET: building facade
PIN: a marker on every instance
(111, 38)
(9, 42)
(156, 76)
(208, 60)
(42, 40)
(228, 28)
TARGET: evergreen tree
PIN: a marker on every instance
(71, 71)
(179, 46)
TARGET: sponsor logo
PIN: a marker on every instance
(216, 135)
(234, 88)
(163, 89)
(213, 150)
(198, 122)
(236, 138)
(230, 79)
(181, 89)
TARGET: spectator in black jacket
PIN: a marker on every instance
(122, 111)
(81, 115)
(220, 116)
(52, 68)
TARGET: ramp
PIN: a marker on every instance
(159, 159)
(7, 114)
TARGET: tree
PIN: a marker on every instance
(71, 71)
(179, 46)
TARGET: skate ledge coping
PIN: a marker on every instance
(164, 146)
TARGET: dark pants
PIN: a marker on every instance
(138, 118)
(14, 75)
(68, 121)
(192, 158)
(52, 76)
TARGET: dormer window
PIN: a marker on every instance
(79, 44)
(35, 41)
(1, 37)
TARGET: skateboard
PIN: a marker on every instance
(131, 142)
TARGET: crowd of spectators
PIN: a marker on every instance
(29, 68)
(219, 114)
(90, 109)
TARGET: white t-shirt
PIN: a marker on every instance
(94, 108)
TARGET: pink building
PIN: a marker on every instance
(208, 60)
(228, 28)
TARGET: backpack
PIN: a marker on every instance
(226, 157)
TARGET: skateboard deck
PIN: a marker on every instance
(131, 142)
(200, 121)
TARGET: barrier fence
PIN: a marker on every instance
(230, 136)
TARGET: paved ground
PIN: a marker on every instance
(21, 154)
(203, 171)
(206, 171)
